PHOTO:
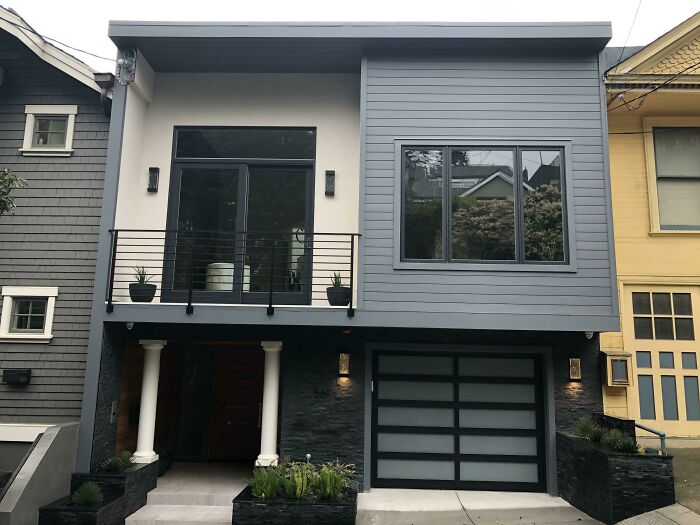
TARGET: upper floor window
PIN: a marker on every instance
(677, 163)
(27, 313)
(49, 130)
(663, 315)
(496, 204)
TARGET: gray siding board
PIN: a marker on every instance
(52, 238)
(487, 98)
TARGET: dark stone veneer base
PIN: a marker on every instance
(61, 512)
(611, 487)
(248, 510)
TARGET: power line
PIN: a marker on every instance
(656, 88)
(26, 28)
(619, 60)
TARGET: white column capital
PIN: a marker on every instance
(271, 346)
(153, 344)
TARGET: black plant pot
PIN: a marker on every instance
(142, 292)
(338, 295)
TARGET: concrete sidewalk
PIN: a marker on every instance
(672, 515)
(449, 507)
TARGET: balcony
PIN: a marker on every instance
(214, 267)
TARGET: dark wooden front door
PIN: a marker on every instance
(236, 406)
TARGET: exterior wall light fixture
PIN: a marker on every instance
(153, 175)
(344, 365)
(575, 368)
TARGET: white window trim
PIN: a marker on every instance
(32, 111)
(9, 293)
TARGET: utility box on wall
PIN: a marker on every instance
(17, 376)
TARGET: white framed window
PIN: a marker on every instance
(27, 313)
(49, 130)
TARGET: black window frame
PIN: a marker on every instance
(518, 204)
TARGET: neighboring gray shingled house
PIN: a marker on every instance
(53, 134)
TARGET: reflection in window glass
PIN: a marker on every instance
(644, 359)
(692, 398)
(246, 143)
(483, 204)
(669, 397)
(423, 186)
(647, 410)
(682, 304)
(666, 359)
(642, 328)
(619, 370)
(641, 303)
(684, 329)
(542, 203)
(689, 360)
(662, 303)
(677, 155)
(663, 328)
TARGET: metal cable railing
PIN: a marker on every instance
(221, 267)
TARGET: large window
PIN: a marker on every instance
(677, 159)
(662, 315)
(502, 204)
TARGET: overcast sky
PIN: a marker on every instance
(83, 23)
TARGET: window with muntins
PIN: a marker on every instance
(483, 204)
(663, 315)
(677, 158)
(50, 131)
(28, 314)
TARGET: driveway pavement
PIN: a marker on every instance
(686, 470)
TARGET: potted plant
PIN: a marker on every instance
(298, 492)
(141, 291)
(338, 295)
(86, 506)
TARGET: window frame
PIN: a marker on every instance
(9, 294)
(648, 124)
(34, 111)
(519, 264)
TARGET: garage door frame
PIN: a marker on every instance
(541, 381)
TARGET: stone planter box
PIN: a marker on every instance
(248, 510)
(133, 484)
(110, 512)
(609, 486)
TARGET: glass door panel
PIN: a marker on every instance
(277, 250)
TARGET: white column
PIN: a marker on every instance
(149, 401)
(271, 388)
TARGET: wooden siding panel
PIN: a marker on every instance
(52, 238)
(481, 98)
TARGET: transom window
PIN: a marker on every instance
(663, 315)
(677, 159)
(50, 131)
(28, 314)
(476, 203)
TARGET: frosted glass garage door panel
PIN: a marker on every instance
(435, 443)
(408, 364)
(415, 469)
(493, 471)
(495, 367)
(415, 417)
(496, 393)
(478, 418)
(415, 390)
(498, 445)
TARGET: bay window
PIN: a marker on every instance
(485, 204)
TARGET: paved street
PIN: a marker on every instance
(686, 467)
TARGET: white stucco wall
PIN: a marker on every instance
(328, 102)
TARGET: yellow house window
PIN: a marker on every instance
(663, 315)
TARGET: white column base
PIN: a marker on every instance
(144, 457)
(270, 460)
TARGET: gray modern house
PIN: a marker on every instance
(450, 180)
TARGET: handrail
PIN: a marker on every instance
(661, 434)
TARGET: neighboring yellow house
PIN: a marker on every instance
(655, 172)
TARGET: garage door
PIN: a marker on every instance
(468, 421)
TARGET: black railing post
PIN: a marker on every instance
(112, 269)
(189, 309)
(270, 308)
(351, 310)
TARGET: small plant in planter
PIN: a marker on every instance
(118, 462)
(141, 291)
(88, 494)
(338, 295)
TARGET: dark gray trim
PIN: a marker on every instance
(550, 429)
(608, 196)
(495, 266)
(363, 174)
(369, 386)
(94, 351)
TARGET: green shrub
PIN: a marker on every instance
(266, 482)
(87, 495)
(332, 479)
(618, 441)
(298, 479)
(118, 462)
(588, 429)
(627, 445)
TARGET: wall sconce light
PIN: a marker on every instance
(153, 175)
(575, 368)
(344, 365)
(330, 183)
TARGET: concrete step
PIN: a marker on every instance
(181, 515)
(164, 497)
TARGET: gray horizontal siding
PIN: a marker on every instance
(52, 238)
(480, 98)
